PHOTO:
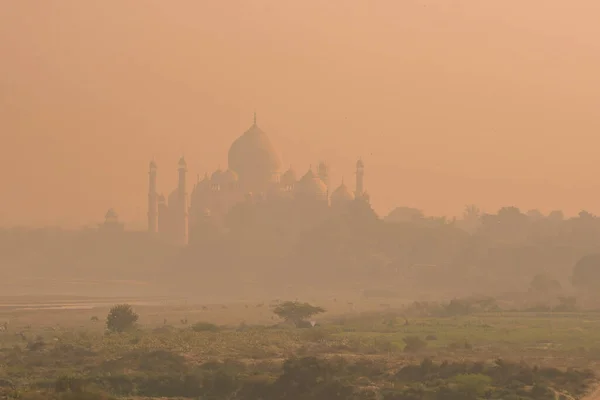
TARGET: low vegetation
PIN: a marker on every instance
(121, 318)
(460, 349)
(167, 375)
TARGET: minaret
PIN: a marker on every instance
(152, 199)
(360, 179)
(181, 216)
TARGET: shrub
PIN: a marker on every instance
(544, 284)
(566, 304)
(460, 345)
(471, 386)
(205, 327)
(586, 273)
(121, 318)
(69, 384)
(414, 344)
(66, 396)
(315, 335)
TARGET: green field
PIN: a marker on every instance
(42, 345)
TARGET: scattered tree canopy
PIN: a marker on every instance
(586, 273)
(542, 283)
(296, 312)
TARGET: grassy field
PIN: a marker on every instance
(43, 342)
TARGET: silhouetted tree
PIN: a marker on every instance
(586, 273)
(471, 218)
(542, 283)
(405, 214)
(121, 318)
(535, 215)
(556, 216)
(414, 344)
(296, 312)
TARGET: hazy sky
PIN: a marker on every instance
(449, 102)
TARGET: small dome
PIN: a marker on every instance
(202, 185)
(289, 177)
(216, 177)
(311, 185)
(341, 194)
(228, 177)
(182, 163)
(111, 214)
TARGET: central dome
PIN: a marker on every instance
(254, 159)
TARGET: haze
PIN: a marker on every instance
(448, 102)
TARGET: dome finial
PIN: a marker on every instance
(254, 117)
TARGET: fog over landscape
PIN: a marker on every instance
(491, 103)
(279, 200)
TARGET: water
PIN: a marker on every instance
(84, 305)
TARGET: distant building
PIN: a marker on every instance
(111, 222)
(253, 174)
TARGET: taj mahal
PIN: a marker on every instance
(254, 174)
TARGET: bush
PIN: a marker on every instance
(567, 304)
(66, 396)
(164, 374)
(544, 284)
(121, 318)
(69, 384)
(316, 335)
(460, 345)
(414, 344)
(586, 273)
(205, 327)
(471, 386)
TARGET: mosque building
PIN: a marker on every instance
(253, 174)
(111, 222)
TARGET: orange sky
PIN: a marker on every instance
(449, 102)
